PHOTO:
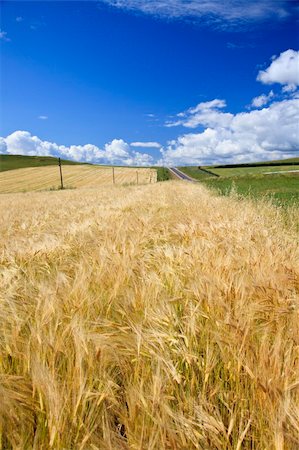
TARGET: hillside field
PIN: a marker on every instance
(198, 174)
(278, 182)
(12, 162)
(260, 170)
(74, 176)
(157, 317)
(282, 189)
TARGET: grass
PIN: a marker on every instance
(239, 171)
(256, 181)
(87, 176)
(277, 162)
(288, 160)
(12, 162)
(147, 317)
(162, 174)
(283, 189)
(196, 173)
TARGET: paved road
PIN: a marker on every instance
(180, 175)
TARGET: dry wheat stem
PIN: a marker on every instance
(147, 317)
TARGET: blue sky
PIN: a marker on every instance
(194, 82)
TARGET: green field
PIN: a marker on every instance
(278, 162)
(254, 181)
(199, 173)
(162, 173)
(11, 162)
(239, 171)
(283, 189)
(196, 173)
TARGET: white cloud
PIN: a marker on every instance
(211, 11)
(262, 100)
(270, 133)
(284, 70)
(146, 144)
(207, 114)
(3, 146)
(115, 152)
(140, 159)
(19, 19)
(85, 153)
(43, 117)
(117, 149)
(22, 143)
(289, 88)
(3, 36)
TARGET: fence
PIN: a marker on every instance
(63, 176)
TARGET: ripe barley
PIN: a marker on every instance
(148, 317)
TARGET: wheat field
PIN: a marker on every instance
(148, 317)
(74, 176)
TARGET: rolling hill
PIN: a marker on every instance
(12, 162)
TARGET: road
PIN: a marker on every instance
(182, 176)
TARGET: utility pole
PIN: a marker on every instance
(61, 180)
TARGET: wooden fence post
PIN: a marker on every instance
(60, 170)
(113, 175)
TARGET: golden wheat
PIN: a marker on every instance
(43, 178)
(150, 317)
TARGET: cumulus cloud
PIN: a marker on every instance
(19, 19)
(140, 159)
(3, 36)
(207, 114)
(146, 144)
(262, 100)
(284, 70)
(115, 152)
(3, 146)
(209, 11)
(43, 117)
(269, 133)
